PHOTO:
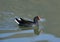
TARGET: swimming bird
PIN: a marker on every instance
(27, 23)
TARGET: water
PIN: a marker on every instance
(48, 9)
(25, 37)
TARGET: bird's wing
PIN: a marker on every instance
(26, 21)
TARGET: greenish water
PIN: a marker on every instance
(49, 9)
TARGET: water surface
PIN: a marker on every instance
(48, 9)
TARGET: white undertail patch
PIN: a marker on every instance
(17, 21)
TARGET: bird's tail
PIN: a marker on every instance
(17, 20)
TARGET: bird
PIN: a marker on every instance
(27, 23)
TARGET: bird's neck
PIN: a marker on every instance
(35, 21)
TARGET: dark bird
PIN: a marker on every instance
(27, 23)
